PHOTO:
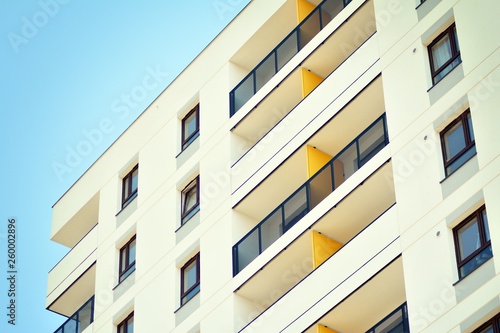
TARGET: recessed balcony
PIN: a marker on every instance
(324, 174)
(310, 21)
(377, 306)
(80, 320)
(332, 63)
(309, 89)
(343, 230)
(69, 228)
(71, 282)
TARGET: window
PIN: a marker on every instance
(395, 322)
(491, 326)
(472, 242)
(190, 279)
(444, 53)
(129, 188)
(127, 325)
(190, 201)
(457, 141)
(127, 259)
(190, 126)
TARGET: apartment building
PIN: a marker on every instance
(322, 166)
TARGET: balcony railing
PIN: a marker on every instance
(397, 321)
(310, 194)
(78, 322)
(285, 51)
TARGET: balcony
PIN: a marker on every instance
(341, 226)
(334, 62)
(311, 21)
(73, 219)
(80, 320)
(379, 305)
(325, 176)
(70, 282)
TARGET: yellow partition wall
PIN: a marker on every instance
(324, 329)
(304, 8)
(316, 159)
(309, 81)
(323, 248)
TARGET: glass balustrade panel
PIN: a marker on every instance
(248, 249)
(271, 229)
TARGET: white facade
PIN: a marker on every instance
(361, 91)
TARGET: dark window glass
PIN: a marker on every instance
(190, 279)
(190, 200)
(491, 326)
(458, 144)
(127, 259)
(395, 322)
(472, 242)
(127, 326)
(444, 53)
(130, 183)
(190, 126)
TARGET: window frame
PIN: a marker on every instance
(185, 293)
(126, 271)
(469, 144)
(124, 323)
(478, 215)
(127, 184)
(451, 32)
(187, 140)
(494, 322)
(186, 214)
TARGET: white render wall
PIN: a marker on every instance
(428, 205)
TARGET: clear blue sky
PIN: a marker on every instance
(65, 65)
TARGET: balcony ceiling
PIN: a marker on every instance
(336, 48)
(272, 109)
(360, 207)
(76, 295)
(79, 225)
(341, 223)
(369, 304)
(331, 138)
(267, 37)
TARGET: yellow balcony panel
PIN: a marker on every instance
(70, 230)
(316, 159)
(324, 329)
(369, 304)
(323, 248)
(309, 81)
(304, 8)
(73, 296)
